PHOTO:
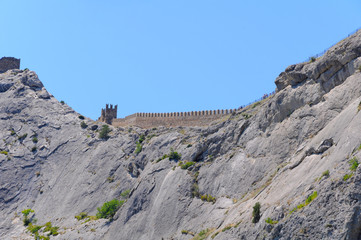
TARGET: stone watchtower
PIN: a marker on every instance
(108, 114)
(7, 63)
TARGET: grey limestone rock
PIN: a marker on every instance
(297, 143)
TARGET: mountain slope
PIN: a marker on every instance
(277, 152)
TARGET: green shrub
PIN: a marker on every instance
(189, 145)
(12, 132)
(109, 209)
(256, 212)
(125, 194)
(4, 152)
(138, 148)
(22, 137)
(104, 132)
(312, 59)
(141, 138)
(62, 102)
(83, 125)
(81, 216)
(26, 213)
(326, 173)
(174, 155)
(81, 117)
(35, 139)
(359, 68)
(226, 228)
(161, 158)
(270, 221)
(311, 198)
(33, 149)
(195, 190)
(184, 231)
(353, 164)
(347, 176)
(187, 165)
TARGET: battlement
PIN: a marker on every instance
(150, 120)
(108, 114)
(7, 63)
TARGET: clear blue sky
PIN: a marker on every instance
(164, 55)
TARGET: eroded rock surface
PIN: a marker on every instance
(278, 152)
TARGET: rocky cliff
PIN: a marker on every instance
(296, 153)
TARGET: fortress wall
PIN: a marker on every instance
(150, 120)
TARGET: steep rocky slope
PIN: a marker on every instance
(276, 152)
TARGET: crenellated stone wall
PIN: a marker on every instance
(150, 120)
(7, 63)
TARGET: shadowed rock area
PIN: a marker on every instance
(296, 153)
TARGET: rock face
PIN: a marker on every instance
(295, 153)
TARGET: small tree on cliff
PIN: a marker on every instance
(103, 134)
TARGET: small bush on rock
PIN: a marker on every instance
(26, 213)
(104, 132)
(187, 165)
(353, 164)
(83, 125)
(109, 209)
(174, 155)
(256, 212)
(81, 216)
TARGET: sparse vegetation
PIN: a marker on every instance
(33, 149)
(81, 216)
(125, 194)
(187, 165)
(226, 228)
(208, 198)
(162, 158)
(83, 125)
(256, 212)
(174, 155)
(347, 176)
(34, 229)
(195, 190)
(109, 209)
(104, 132)
(189, 145)
(81, 117)
(4, 152)
(326, 173)
(256, 104)
(35, 139)
(312, 59)
(26, 213)
(138, 149)
(270, 221)
(353, 164)
(22, 137)
(359, 107)
(311, 198)
(203, 234)
(141, 138)
(12, 132)
(246, 116)
(110, 179)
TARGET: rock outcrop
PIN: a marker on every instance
(295, 153)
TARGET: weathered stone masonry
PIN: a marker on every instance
(150, 120)
(7, 63)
